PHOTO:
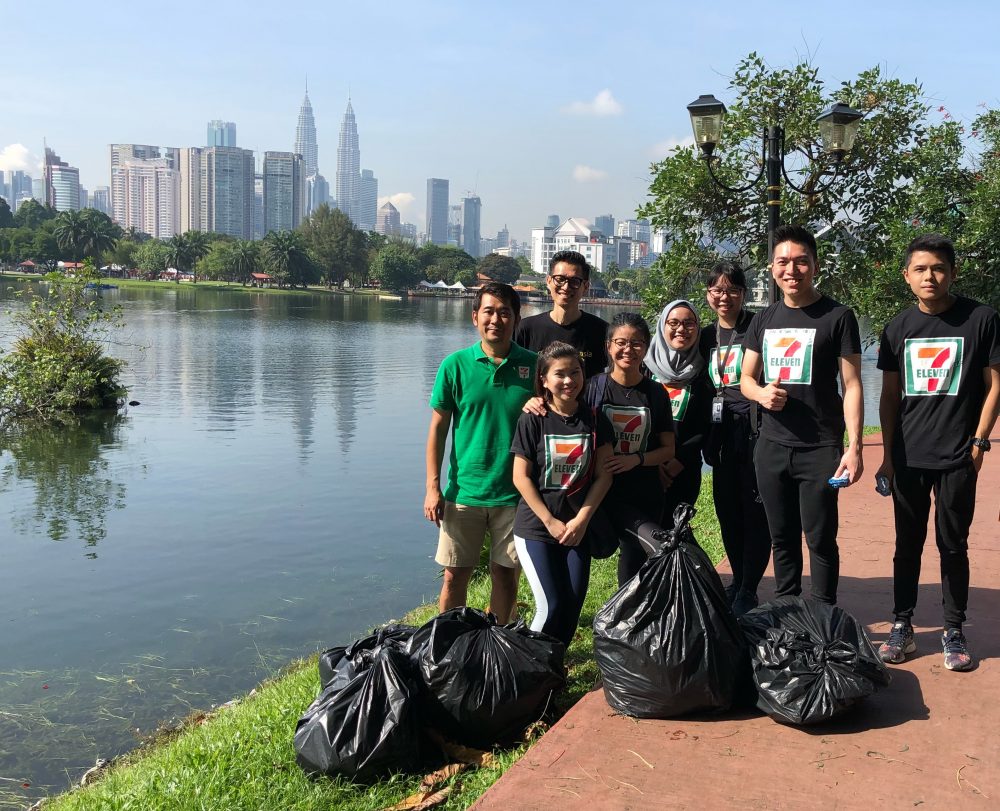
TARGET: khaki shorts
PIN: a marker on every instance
(463, 530)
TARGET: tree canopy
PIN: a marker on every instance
(500, 268)
(911, 171)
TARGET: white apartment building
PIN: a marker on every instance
(151, 197)
(576, 234)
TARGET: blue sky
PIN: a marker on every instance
(539, 107)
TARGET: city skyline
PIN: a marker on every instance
(548, 130)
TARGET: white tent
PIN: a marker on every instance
(457, 286)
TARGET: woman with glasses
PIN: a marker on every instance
(639, 413)
(732, 437)
(676, 362)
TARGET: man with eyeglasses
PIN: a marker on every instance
(794, 352)
(568, 282)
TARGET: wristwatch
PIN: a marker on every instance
(981, 443)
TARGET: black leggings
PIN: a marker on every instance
(796, 495)
(558, 576)
(954, 505)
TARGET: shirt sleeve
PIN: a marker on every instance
(752, 339)
(850, 334)
(659, 405)
(991, 339)
(443, 393)
(605, 433)
(521, 334)
(526, 437)
(887, 360)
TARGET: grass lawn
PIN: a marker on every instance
(241, 757)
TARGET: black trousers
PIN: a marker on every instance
(793, 486)
(683, 490)
(738, 505)
(954, 505)
(628, 518)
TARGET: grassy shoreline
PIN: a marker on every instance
(241, 756)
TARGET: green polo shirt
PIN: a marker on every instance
(485, 400)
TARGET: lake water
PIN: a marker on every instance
(262, 502)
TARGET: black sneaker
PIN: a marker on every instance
(899, 643)
(956, 650)
(745, 601)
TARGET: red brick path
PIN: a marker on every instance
(930, 740)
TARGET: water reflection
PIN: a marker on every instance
(74, 487)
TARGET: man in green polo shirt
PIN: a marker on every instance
(479, 392)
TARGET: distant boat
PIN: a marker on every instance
(100, 286)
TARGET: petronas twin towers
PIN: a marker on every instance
(351, 197)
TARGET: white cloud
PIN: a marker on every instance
(17, 157)
(601, 105)
(660, 150)
(586, 174)
(402, 200)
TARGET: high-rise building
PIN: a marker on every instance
(221, 133)
(552, 221)
(227, 191)
(471, 209)
(18, 188)
(317, 192)
(349, 166)
(84, 198)
(38, 189)
(636, 230)
(367, 200)
(101, 199)
(388, 220)
(437, 211)
(189, 166)
(120, 153)
(455, 225)
(62, 183)
(503, 238)
(605, 223)
(151, 198)
(408, 230)
(4, 191)
(258, 205)
(284, 191)
(305, 137)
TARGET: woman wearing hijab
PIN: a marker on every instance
(676, 362)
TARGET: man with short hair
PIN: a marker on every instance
(478, 394)
(940, 362)
(568, 281)
(794, 352)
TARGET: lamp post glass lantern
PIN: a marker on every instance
(838, 127)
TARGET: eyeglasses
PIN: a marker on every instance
(687, 325)
(574, 282)
(621, 343)
(731, 292)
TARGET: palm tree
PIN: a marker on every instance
(286, 259)
(243, 260)
(71, 233)
(86, 234)
(186, 249)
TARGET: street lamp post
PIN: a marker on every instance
(838, 126)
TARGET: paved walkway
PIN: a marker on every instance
(930, 740)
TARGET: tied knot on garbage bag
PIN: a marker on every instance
(460, 677)
(811, 661)
(667, 643)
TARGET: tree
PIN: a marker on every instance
(86, 234)
(244, 259)
(396, 267)
(340, 249)
(451, 264)
(285, 257)
(904, 175)
(6, 217)
(184, 251)
(31, 214)
(500, 268)
(124, 254)
(152, 257)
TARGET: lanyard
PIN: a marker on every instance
(720, 357)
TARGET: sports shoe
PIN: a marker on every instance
(899, 643)
(956, 650)
(745, 601)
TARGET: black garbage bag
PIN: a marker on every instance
(667, 643)
(337, 666)
(367, 728)
(811, 661)
(485, 683)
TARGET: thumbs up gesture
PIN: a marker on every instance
(773, 397)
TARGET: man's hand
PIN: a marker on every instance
(536, 406)
(772, 397)
(977, 458)
(434, 506)
(622, 462)
(850, 465)
(886, 469)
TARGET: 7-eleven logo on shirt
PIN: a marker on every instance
(631, 427)
(679, 399)
(933, 366)
(788, 355)
(567, 460)
(730, 358)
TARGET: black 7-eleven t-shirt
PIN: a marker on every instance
(562, 454)
(940, 359)
(801, 347)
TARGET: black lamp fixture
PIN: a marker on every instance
(838, 127)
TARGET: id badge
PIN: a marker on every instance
(717, 402)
